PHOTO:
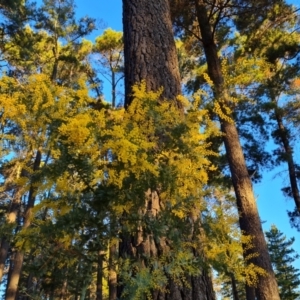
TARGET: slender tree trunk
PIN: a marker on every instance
(250, 293)
(235, 293)
(99, 288)
(19, 255)
(283, 135)
(56, 60)
(113, 88)
(13, 283)
(112, 276)
(248, 214)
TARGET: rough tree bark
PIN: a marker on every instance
(150, 56)
(149, 48)
(248, 214)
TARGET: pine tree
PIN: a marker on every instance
(109, 47)
(210, 19)
(150, 57)
(282, 257)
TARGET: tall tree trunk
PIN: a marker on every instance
(235, 293)
(248, 214)
(19, 255)
(150, 55)
(13, 283)
(149, 48)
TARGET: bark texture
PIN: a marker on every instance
(248, 214)
(149, 48)
(150, 55)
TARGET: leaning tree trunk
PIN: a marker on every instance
(248, 214)
(150, 56)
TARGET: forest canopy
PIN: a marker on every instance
(147, 192)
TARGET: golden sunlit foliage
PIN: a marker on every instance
(82, 176)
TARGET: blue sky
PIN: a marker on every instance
(272, 204)
(108, 12)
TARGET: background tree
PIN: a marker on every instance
(279, 48)
(283, 256)
(109, 50)
(210, 19)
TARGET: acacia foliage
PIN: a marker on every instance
(98, 162)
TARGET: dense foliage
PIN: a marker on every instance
(283, 256)
(82, 177)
